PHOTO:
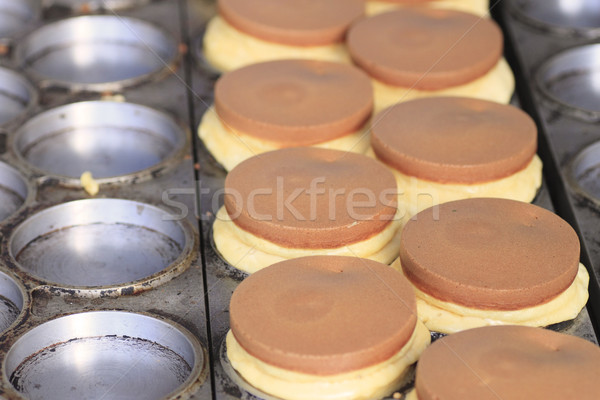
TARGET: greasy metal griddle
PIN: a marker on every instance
(186, 302)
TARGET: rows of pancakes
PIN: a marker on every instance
(379, 188)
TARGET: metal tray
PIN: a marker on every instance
(96, 53)
(558, 77)
(177, 310)
(146, 316)
(222, 278)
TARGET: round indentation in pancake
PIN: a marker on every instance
(490, 253)
(295, 102)
(293, 22)
(310, 197)
(509, 362)
(272, 314)
(426, 49)
(454, 139)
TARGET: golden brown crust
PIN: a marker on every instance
(454, 139)
(323, 315)
(310, 197)
(490, 253)
(426, 49)
(295, 102)
(509, 362)
(293, 22)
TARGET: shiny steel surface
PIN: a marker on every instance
(16, 94)
(109, 139)
(565, 17)
(14, 14)
(94, 5)
(11, 301)
(93, 52)
(103, 355)
(152, 167)
(566, 128)
(584, 173)
(99, 242)
(13, 190)
(572, 79)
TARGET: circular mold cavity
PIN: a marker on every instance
(571, 79)
(97, 53)
(109, 139)
(11, 301)
(584, 173)
(564, 17)
(87, 6)
(13, 191)
(100, 242)
(14, 15)
(104, 355)
(17, 95)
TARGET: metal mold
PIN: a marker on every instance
(13, 191)
(563, 17)
(17, 95)
(101, 242)
(12, 298)
(571, 80)
(97, 53)
(207, 70)
(88, 6)
(237, 379)
(229, 270)
(584, 173)
(14, 15)
(111, 140)
(104, 354)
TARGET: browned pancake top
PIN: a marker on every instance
(454, 139)
(427, 49)
(323, 315)
(309, 197)
(490, 253)
(295, 102)
(293, 22)
(509, 362)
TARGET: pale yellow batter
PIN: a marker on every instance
(497, 85)
(89, 184)
(230, 147)
(446, 317)
(367, 383)
(250, 253)
(417, 194)
(479, 7)
(226, 48)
